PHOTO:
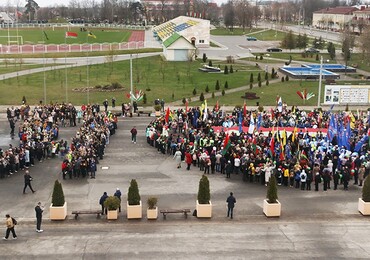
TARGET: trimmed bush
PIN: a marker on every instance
(231, 69)
(152, 202)
(144, 98)
(194, 92)
(286, 78)
(204, 57)
(210, 63)
(213, 94)
(207, 89)
(204, 195)
(57, 198)
(226, 70)
(272, 190)
(226, 85)
(259, 84)
(112, 203)
(133, 196)
(217, 87)
(223, 92)
(201, 97)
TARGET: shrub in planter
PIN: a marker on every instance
(204, 195)
(272, 191)
(366, 190)
(152, 202)
(57, 198)
(157, 107)
(112, 203)
(133, 196)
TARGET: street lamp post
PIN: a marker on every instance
(320, 82)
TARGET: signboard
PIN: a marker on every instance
(347, 94)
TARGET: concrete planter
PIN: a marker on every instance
(271, 209)
(134, 211)
(364, 207)
(58, 213)
(112, 214)
(152, 213)
(204, 210)
(157, 113)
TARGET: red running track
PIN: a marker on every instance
(137, 36)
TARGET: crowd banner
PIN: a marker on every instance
(265, 131)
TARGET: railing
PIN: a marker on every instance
(63, 25)
(55, 48)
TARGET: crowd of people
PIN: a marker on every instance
(325, 148)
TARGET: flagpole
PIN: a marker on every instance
(131, 90)
(43, 61)
(320, 82)
(65, 66)
(87, 71)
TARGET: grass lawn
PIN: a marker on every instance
(267, 94)
(13, 67)
(158, 78)
(270, 35)
(235, 31)
(35, 35)
(286, 55)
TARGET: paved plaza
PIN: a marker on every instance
(323, 225)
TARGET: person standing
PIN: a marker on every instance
(177, 158)
(39, 210)
(101, 202)
(113, 102)
(105, 104)
(188, 159)
(133, 134)
(27, 182)
(230, 205)
(118, 194)
(9, 227)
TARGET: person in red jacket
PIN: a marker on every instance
(188, 159)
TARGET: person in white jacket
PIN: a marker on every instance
(303, 177)
(268, 171)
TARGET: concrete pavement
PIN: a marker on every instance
(313, 224)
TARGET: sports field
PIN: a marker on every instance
(56, 36)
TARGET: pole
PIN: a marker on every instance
(65, 67)
(131, 90)
(320, 82)
(43, 61)
(87, 71)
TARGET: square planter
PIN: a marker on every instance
(134, 211)
(112, 214)
(271, 209)
(58, 213)
(204, 210)
(152, 213)
(364, 207)
(157, 113)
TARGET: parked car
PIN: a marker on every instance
(312, 50)
(274, 49)
(250, 38)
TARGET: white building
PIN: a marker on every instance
(333, 18)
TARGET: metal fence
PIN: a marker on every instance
(70, 25)
(55, 48)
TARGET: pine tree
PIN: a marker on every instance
(286, 78)
(251, 78)
(226, 70)
(144, 98)
(282, 79)
(231, 69)
(204, 57)
(207, 89)
(194, 92)
(217, 87)
(267, 82)
(213, 94)
(223, 92)
(259, 76)
(273, 73)
(226, 85)
(266, 75)
(201, 97)
(210, 63)
(259, 84)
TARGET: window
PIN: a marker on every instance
(201, 41)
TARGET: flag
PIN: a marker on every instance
(245, 110)
(272, 142)
(361, 143)
(90, 34)
(347, 136)
(240, 122)
(283, 138)
(251, 125)
(259, 121)
(280, 105)
(167, 117)
(186, 105)
(45, 35)
(333, 128)
(195, 119)
(71, 35)
(294, 133)
(205, 110)
(217, 106)
(227, 144)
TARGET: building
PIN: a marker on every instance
(186, 30)
(335, 18)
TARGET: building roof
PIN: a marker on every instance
(170, 40)
(337, 10)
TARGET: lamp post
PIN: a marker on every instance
(320, 82)
(131, 90)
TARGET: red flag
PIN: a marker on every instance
(71, 35)
(217, 106)
(272, 145)
(245, 110)
(282, 156)
(186, 106)
(272, 113)
(167, 114)
(227, 145)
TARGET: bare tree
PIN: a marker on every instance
(364, 41)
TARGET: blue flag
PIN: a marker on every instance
(360, 143)
(347, 138)
(259, 121)
(240, 122)
(195, 119)
(333, 128)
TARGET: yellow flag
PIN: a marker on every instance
(90, 34)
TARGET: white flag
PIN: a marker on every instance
(280, 105)
(251, 126)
